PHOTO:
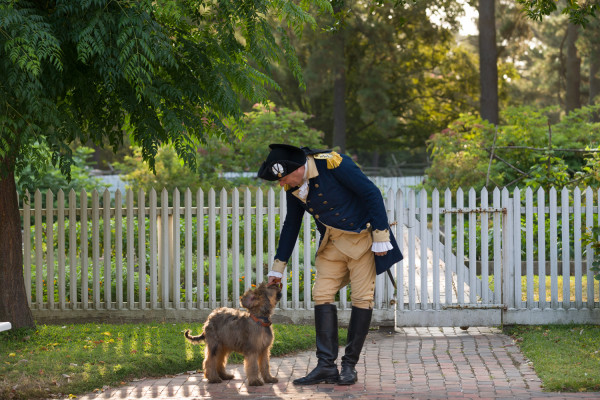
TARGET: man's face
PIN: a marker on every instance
(294, 179)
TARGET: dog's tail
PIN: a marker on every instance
(194, 339)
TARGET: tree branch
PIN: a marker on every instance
(507, 163)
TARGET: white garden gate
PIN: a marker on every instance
(467, 265)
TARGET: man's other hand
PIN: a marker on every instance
(274, 281)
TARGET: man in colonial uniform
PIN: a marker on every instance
(356, 244)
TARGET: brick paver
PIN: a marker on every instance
(412, 363)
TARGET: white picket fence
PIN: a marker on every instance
(138, 257)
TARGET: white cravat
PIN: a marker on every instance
(303, 191)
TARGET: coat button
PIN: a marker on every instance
(320, 194)
(331, 209)
(337, 214)
(351, 223)
(325, 202)
(316, 185)
(343, 219)
(311, 210)
(317, 216)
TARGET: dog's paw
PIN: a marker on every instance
(256, 382)
(271, 379)
(215, 380)
(226, 377)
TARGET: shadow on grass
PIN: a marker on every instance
(74, 359)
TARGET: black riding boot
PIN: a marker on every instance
(360, 319)
(326, 327)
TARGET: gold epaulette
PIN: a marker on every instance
(333, 159)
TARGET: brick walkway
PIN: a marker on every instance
(414, 363)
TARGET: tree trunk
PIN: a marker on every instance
(592, 38)
(13, 298)
(339, 85)
(594, 75)
(594, 78)
(376, 159)
(488, 68)
(573, 70)
(339, 110)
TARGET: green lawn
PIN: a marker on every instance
(75, 359)
(566, 358)
(559, 288)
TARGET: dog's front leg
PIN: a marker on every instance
(265, 370)
(251, 368)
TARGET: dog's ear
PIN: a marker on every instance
(247, 300)
(274, 289)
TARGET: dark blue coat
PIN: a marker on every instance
(343, 198)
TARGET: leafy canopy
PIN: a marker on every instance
(579, 12)
(77, 70)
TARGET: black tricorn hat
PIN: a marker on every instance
(281, 161)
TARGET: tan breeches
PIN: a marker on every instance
(345, 258)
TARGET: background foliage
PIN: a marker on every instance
(45, 177)
(461, 153)
(263, 125)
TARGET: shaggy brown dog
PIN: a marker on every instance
(246, 332)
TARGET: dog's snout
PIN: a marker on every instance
(279, 295)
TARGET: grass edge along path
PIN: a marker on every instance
(55, 360)
(565, 357)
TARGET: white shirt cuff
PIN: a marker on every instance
(275, 274)
(380, 247)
